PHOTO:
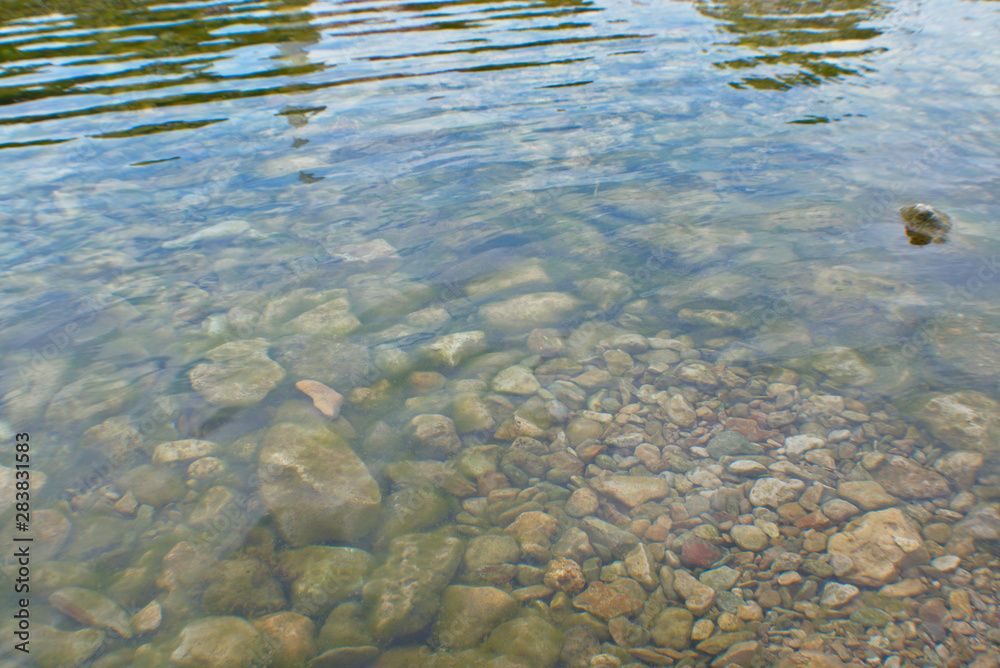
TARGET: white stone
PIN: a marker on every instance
(516, 380)
(773, 492)
(836, 594)
(946, 563)
(797, 445)
(451, 349)
(227, 228)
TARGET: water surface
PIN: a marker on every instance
(658, 163)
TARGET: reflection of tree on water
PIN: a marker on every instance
(793, 39)
(131, 48)
(80, 58)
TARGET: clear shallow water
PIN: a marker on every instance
(740, 157)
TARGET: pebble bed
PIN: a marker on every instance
(545, 490)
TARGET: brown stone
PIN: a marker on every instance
(622, 597)
(908, 480)
(534, 531)
(565, 575)
(326, 400)
(875, 545)
(290, 636)
(632, 490)
(750, 429)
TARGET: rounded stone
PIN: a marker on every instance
(836, 594)
(672, 629)
(749, 537)
(219, 642)
(240, 374)
(516, 380)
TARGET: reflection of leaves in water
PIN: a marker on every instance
(104, 57)
(152, 129)
(125, 48)
(791, 39)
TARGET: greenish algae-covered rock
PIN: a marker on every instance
(530, 641)
(842, 366)
(334, 318)
(411, 509)
(712, 318)
(404, 593)
(290, 636)
(240, 374)
(672, 628)
(345, 626)
(965, 420)
(720, 642)
(869, 616)
(730, 443)
(468, 614)
(529, 311)
(220, 642)
(315, 487)
(242, 587)
(321, 576)
(156, 485)
(91, 608)
(55, 648)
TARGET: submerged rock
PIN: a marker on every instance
(435, 435)
(632, 490)
(412, 509)
(183, 451)
(241, 374)
(516, 380)
(730, 443)
(530, 641)
(672, 628)
(519, 274)
(331, 362)
(843, 366)
(471, 413)
(468, 614)
(290, 636)
(220, 642)
(908, 480)
(965, 420)
(712, 318)
(529, 311)
(451, 349)
(623, 597)
(334, 318)
(54, 648)
(873, 547)
(153, 485)
(91, 608)
(117, 441)
(925, 225)
(326, 400)
(345, 626)
(315, 487)
(242, 587)
(404, 593)
(321, 576)
(223, 230)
